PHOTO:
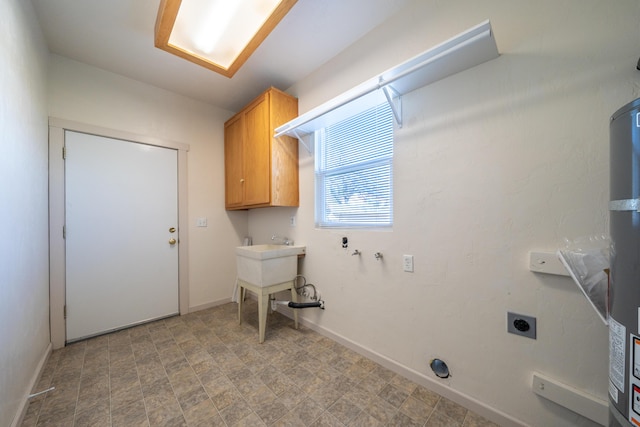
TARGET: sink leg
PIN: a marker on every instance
(263, 306)
(240, 300)
(294, 298)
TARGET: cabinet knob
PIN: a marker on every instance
(242, 180)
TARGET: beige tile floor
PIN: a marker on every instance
(203, 369)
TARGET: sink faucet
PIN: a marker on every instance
(284, 240)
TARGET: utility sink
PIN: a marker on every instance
(266, 265)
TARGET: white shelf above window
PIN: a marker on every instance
(464, 51)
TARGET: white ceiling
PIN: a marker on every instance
(117, 35)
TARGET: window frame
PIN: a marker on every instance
(322, 173)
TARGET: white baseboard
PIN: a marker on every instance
(24, 405)
(468, 402)
(209, 305)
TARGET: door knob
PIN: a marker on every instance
(172, 241)
(172, 230)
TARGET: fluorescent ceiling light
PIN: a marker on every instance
(217, 34)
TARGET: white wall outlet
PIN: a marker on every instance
(201, 222)
(407, 263)
(292, 221)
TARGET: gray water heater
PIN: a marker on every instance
(624, 280)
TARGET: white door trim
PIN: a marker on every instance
(57, 216)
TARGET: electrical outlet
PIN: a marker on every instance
(520, 324)
(292, 221)
(407, 263)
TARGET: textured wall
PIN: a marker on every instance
(24, 256)
(497, 161)
(509, 157)
(89, 95)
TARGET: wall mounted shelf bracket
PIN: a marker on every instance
(301, 139)
(395, 101)
(462, 52)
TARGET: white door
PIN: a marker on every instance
(120, 218)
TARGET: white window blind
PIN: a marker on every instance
(354, 170)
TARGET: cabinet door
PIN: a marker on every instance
(233, 171)
(256, 153)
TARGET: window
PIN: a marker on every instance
(354, 169)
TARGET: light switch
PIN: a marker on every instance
(201, 222)
(407, 263)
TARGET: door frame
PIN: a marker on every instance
(57, 261)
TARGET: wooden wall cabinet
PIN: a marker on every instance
(260, 170)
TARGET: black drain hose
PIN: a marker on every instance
(318, 304)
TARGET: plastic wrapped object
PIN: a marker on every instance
(587, 261)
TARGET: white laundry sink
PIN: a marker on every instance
(266, 265)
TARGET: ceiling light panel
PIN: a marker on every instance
(217, 34)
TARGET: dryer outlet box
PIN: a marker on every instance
(520, 324)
